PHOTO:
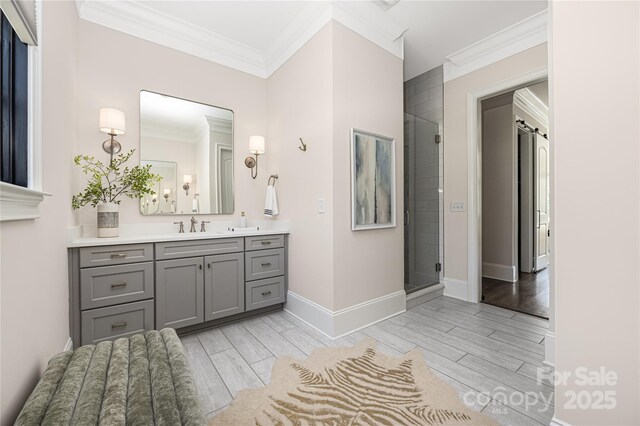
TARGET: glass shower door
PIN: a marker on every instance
(422, 203)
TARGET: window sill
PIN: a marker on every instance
(19, 203)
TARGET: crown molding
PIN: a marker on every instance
(308, 23)
(517, 38)
(136, 19)
(377, 28)
(531, 104)
(141, 21)
(219, 125)
(368, 20)
(173, 135)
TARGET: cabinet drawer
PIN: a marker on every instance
(181, 249)
(264, 264)
(265, 242)
(263, 293)
(116, 321)
(115, 255)
(111, 285)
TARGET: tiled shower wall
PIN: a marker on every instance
(423, 98)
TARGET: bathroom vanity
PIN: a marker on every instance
(127, 285)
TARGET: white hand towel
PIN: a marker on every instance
(271, 203)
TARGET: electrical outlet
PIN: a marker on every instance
(457, 206)
(321, 205)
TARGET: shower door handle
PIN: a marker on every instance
(406, 217)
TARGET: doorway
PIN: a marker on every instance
(515, 199)
(423, 203)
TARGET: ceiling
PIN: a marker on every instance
(256, 24)
(437, 29)
(263, 34)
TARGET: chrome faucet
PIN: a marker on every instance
(203, 227)
(181, 223)
(193, 224)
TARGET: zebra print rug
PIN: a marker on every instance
(351, 386)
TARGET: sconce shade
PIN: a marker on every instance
(167, 191)
(256, 144)
(112, 121)
(187, 179)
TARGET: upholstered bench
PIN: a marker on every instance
(142, 380)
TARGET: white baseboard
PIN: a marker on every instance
(68, 346)
(550, 348)
(500, 272)
(338, 323)
(455, 288)
(310, 312)
(370, 312)
(557, 422)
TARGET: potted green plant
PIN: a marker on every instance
(108, 184)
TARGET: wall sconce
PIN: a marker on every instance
(111, 123)
(167, 192)
(256, 147)
(186, 179)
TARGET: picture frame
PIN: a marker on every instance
(373, 181)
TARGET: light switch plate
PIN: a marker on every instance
(321, 205)
(457, 206)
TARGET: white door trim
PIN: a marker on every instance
(474, 157)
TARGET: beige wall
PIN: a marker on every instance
(455, 148)
(300, 106)
(33, 289)
(325, 89)
(367, 95)
(114, 67)
(498, 156)
(597, 209)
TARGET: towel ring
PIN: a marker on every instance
(274, 177)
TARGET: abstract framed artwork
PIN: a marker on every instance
(373, 181)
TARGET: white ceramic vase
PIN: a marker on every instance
(108, 220)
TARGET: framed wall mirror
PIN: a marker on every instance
(190, 145)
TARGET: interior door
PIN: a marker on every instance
(541, 202)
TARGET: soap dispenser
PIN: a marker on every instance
(243, 220)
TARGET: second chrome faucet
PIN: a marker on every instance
(194, 222)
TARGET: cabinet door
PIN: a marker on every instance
(224, 285)
(179, 292)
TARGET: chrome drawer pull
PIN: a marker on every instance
(265, 243)
(266, 264)
(118, 285)
(264, 293)
(118, 255)
(119, 325)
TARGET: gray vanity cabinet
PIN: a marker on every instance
(122, 289)
(223, 285)
(179, 292)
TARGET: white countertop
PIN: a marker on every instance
(152, 233)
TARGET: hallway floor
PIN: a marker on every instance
(491, 356)
(529, 295)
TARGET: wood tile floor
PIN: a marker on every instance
(529, 295)
(490, 355)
